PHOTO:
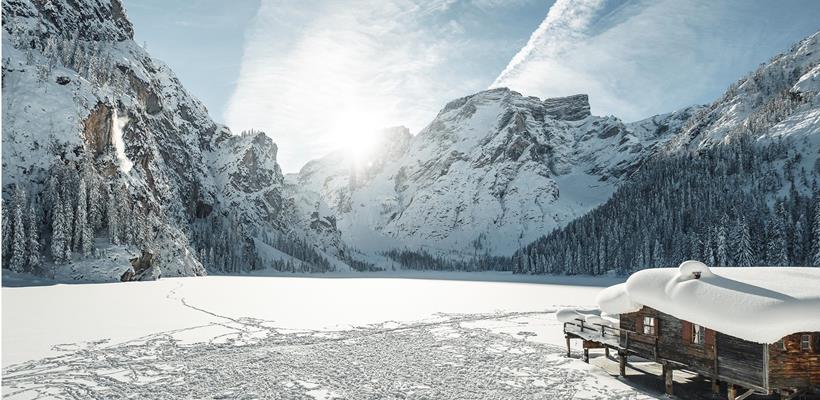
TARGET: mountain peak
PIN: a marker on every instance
(569, 108)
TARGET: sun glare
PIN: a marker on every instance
(355, 134)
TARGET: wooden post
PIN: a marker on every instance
(715, 386)
(568, 351)
(731, 391)
(667, 378)
(586, 356)
(606, 352)
(622, 362)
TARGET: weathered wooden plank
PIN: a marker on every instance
(740, 360)
(794, 367)
(672, 341)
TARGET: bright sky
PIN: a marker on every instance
(319, 76)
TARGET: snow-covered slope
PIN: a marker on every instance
(81, 98)
(491, 172)
(495, 170)
(736, 185)
(778, 100)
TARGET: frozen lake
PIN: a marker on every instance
(300, 337)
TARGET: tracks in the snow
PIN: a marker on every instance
(437, 358)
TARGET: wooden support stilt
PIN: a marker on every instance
(569, 354)
(668, 381)
(731, 391)
(586, 356)
(606, 352)
(622, 358)
(715, 386)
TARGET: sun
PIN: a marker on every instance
(355, 134)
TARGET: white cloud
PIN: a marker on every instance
(642, 57)
(311, 74)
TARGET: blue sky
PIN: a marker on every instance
(201, 40)
(319, 76)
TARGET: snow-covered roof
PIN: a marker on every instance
(759, 304)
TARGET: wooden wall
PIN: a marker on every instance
(794, 367)
(673, 340)
(738, 361)
(741, 361)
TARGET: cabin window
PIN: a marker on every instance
(781, 344)
(805, 342)
(698, 334)
(649, 327)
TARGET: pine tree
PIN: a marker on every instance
(815, 256)
(58, 230)
(113, 218)
(778, 252)
(797, 244)
(657, 254)
(52, 192)
(721, 250)
(82, 229)
(33, 240)
(7, 234)
(19, 254)
(94, 198)
(743, 245)
(68, 217)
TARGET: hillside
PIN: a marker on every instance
(108, 156)
(737, 186)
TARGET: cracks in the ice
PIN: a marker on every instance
(438, 358)
(427, 359)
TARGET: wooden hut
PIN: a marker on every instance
(755, 329)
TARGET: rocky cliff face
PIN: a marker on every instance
(79, 93)
(491, 172)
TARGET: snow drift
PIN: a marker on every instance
(759, 304)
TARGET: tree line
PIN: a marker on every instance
(739, 204)
(61, 222)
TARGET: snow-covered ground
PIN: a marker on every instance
(299, 337)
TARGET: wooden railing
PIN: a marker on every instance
(609, 331)
(602, 329)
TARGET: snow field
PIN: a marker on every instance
(264, 337)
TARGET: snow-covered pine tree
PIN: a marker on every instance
(797, 243)
(132, 228)
(721, 247)
(778, 241)
(815, 243)
(33, 239)
(68, 218)
(7, 233)
(744, 254)
(58, 228)
(657, 254)
(124, 215)
(82, 230)
(113, 217)
(19, 254)
(51, 194)
(708, 251)
(68, 198)
(95, 206)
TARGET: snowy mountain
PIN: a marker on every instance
(736, 186)
(106, 156)
(490, 173)
(496, 170)
(83, 103)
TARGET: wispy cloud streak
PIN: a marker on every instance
(641, 57)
